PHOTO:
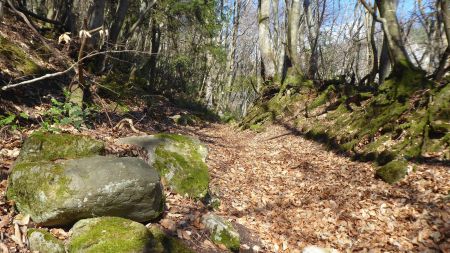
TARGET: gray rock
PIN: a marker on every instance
(42, 241)
(222, 231)
(60, 193)
(109, 234)
(179, 159)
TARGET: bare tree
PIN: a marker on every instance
(444, 63)
(265, 43)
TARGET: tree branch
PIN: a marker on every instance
(371, 10)
(36, 16)
(47, 76)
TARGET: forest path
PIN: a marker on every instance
(293, 192)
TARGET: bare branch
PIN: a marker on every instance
(371, 10)
(47, 76)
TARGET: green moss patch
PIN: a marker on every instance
(163, 243)
(42, 146)
(109, 234)
(30, 184)
(17, 59)
(222, 232)
(408, 118)
(180, 161)
(393, 171)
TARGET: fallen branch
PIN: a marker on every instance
(47, 76)
(128, 122)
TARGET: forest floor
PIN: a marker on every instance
(292, 192)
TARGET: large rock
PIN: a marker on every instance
(222, 231)
(42, 241)
(109, 234)
(49, 147)
(60, 193)
(179, 159)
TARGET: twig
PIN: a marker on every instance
(130, 123)
(47, 76)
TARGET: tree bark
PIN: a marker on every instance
(122, 9)
(265, 43)
(397, 51)
(444, 63)
(385, 63)
(293, 25)
(96, 19)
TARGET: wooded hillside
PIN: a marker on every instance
(224, 125)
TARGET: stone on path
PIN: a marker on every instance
(222, 231)
(42, 241)
(179, 159)
(62, 192)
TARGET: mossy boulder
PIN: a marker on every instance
(62, 192)
(179, 159)
(42, 146)
(42, 241)
(109, 234)
(393, 171)
(222, 231)
(164, 243)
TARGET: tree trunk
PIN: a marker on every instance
(96, 19)
(265, 43)
(122, 9)
(444, 63)
(231, 57)
(293, 25)
(371, 48)
(385, 63)
(1, 10)
(391, 28)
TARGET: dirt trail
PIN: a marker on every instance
(293, 192)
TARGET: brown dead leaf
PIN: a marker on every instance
(168, 224)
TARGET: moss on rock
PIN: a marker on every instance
(17, 59)
(393, 171)
(163, 243)
(41, 240)
(181, 162)
(30, 185)
(222, 231)
(62, 192)
(109, 234)
(42, 146)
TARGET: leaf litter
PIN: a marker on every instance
(290, 192)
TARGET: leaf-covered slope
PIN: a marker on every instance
(394, 124)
